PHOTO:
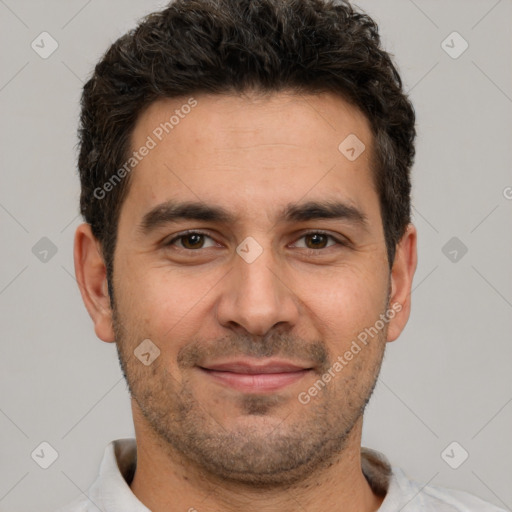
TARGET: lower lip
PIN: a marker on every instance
(259, 382)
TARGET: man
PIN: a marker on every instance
(248, 247)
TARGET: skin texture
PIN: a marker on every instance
(304, 299)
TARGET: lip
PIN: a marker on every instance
(256, 377)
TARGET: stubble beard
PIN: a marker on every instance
(297, 441)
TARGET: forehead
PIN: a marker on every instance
(252, 153)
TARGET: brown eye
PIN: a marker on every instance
(191, 241)
(316, 240)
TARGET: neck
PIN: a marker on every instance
(166, 481)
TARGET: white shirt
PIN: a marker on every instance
(111, 491)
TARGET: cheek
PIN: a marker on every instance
(344, 304)
(166, 303)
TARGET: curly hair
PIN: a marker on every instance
(232, 46)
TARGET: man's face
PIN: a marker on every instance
(249, 311)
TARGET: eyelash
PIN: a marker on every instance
(315, 232)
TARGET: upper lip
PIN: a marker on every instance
(256, 367)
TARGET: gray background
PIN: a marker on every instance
(446, 379)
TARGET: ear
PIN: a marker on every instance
(91, 275)
(402, 275)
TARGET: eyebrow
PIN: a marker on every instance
(174, 211)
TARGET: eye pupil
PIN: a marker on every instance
(318, 240)
(195, 239)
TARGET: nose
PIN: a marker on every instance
(257, 297)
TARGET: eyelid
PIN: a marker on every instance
(339, 239)
(183, 234)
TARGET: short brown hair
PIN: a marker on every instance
(231, 46)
